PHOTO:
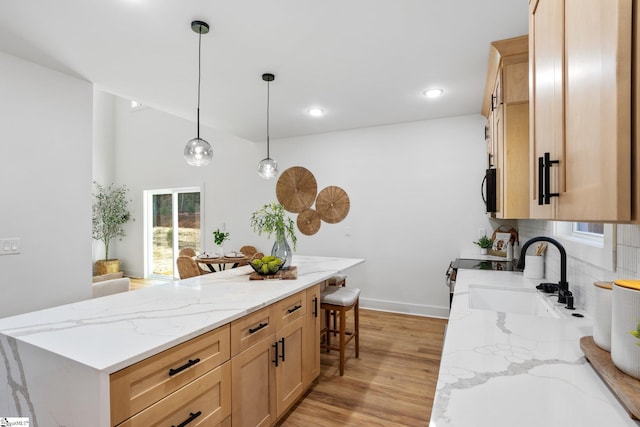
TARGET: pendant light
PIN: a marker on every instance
(198, 152)
(268, 168)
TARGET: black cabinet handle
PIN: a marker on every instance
(315, 307)
(547, 178)
(486, 132)
(282, 355)
(291, 310)
(544, 179)
(192, 416)
(493, 98)
(190, 363)
(257, 328)
(275, 359)
(540, 180)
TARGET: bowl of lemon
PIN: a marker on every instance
(266, 265)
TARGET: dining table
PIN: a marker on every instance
(222, 262)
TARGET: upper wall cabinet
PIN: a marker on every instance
(580, 112)
(506, 107)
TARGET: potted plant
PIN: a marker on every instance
(219, 237)
(271, 219)
(485, 243)
(109, 213)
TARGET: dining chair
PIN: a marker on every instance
(191, 253)
(248, 251)
(188, 267)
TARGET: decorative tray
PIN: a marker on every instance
(290, 273)
(625, 387)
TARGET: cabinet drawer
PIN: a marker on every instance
(291, 309)
(251, 328)
(205, 402)
(138, 386)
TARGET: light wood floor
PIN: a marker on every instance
(391, 384)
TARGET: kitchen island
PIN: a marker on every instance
(57, 363)
(505, 369)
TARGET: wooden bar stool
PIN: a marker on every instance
(341, 299)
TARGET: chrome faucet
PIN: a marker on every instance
(564, 294)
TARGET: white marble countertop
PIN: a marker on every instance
(503, 369)
(110, 333)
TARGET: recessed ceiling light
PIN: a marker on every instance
(316, 112)
(433, 93)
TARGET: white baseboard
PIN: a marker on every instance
(404, 308)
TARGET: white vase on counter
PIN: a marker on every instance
(484, 251)
(625, 309)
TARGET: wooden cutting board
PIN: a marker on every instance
(622, 385)
(290, 273)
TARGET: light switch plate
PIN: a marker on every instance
(9, 246)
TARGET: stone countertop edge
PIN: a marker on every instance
(113, 332)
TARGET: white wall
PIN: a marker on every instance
(103, 160)
(414, 190)
(45, 190)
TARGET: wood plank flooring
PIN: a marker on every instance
(391, 384)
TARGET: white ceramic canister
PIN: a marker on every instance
(625, 307)
(602, 318)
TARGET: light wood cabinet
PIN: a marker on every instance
(271, 354)
(162, 381)
(311, 362)
(580, 94)
(506, 106)
(246, 373)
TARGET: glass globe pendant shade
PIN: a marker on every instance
(268, 168)
(198, 152)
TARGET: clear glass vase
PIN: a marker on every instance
(282, 250)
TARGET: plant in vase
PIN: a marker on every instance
(271, 219)
(219, 237)
(109, 213)
(485, 243)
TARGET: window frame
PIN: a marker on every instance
(588, 247)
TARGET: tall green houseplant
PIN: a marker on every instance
(110, 212)
(271, 219)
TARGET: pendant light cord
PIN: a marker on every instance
(268, 83)
(199, 54)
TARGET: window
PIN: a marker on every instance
(594, 243)
(172, 223)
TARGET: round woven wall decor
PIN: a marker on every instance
(332, 204)
(296, 189)
(308, 222)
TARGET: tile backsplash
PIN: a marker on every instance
(581, 274)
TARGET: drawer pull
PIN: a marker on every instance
(291, 310)
(275, 346)
(192, 416)
(257, 328)
(315, 307)
(190, 363)
(282, 355)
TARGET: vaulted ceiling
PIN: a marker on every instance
(364, 62)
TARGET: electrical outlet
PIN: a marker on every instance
(10, 246)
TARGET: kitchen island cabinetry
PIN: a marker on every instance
(116, 354)
(506, 106)
(270, 375)
(580, 68)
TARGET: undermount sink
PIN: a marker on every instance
(508, 300)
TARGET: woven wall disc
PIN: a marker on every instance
(308, 222)
(296, 189)
(332, 204)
